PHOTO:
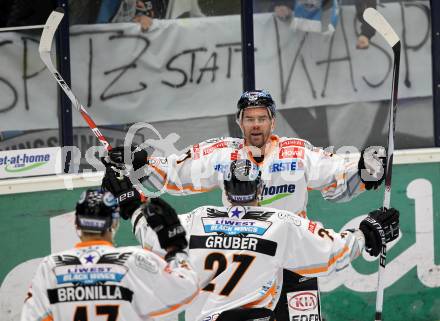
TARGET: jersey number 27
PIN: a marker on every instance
(218, 259)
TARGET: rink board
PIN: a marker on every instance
(413, 270)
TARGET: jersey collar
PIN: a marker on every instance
(273, 142)
(92, 243)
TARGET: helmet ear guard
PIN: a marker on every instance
(242, 182)
(96, 211)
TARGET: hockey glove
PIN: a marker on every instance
(116, 157)
(162, 218)
(128, 197)
(372, 166)
(380, 227)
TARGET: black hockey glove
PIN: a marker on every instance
(162, 218)
(128, 197)
(380, 227)
(116, 157)
(372, 166)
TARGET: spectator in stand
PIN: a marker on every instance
(5, 8)
(28, 13)
(139, 11)
(363, 41)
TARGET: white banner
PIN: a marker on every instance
(191, 68)
(30, 162)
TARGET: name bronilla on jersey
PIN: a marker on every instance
(89, 293)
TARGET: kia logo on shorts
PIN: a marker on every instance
(303, 301)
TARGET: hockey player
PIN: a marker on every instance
(245, 247)
(290, 168)
(95, 280)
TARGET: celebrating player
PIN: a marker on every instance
(95, 279)
(245, 247)
(289, 166)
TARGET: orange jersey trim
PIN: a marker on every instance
(48, 318)
(273, 141)
(174, 187)
(323, 268)
(174, 307)
(91, 243)
(271, 291)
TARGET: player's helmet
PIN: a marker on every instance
(256, 98)
(95, 211)
(242, 182)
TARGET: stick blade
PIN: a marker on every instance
(49, 30)
(381, 25)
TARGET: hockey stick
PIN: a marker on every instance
(378, 22)
(44, 49)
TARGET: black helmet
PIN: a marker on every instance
(242, 182)
(95, 210)
(256, 98)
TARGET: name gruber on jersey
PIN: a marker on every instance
(253, 244)
(89, 293)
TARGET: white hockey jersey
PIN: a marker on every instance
(96, 281)
(290, 168)
(239, 254)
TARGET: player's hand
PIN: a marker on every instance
(116, 157)
(380, 227)
(121, 187)
(372, 166)
(162, 218)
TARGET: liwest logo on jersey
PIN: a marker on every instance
(89, 275)
(233, 226)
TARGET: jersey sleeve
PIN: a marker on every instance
(312, 250)
(162, 287)
(334, 176)
(36, 305)
(195, 171)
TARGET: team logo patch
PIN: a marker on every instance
(234, 226)
(146, 263)
(89, 275)
(237, 211)
(286, 216)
